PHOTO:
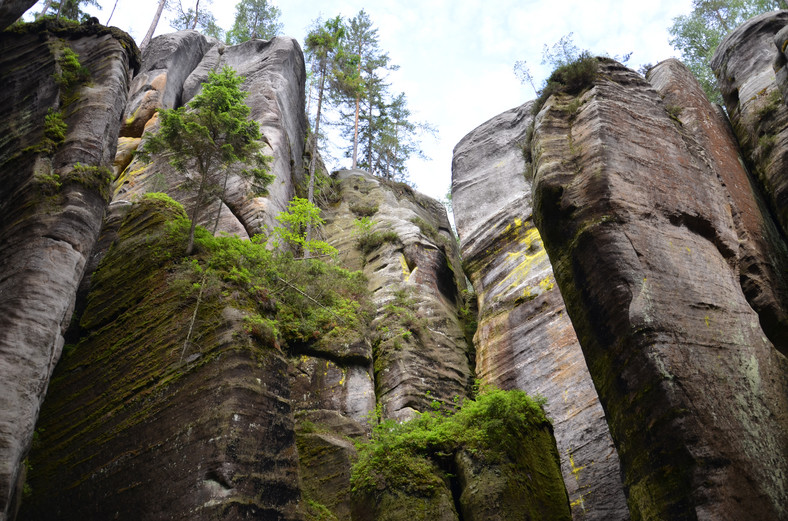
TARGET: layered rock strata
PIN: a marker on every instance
(139, 424)
(408, 253)
(525, 339)
(745, 63)
(645, 247)
(174, 67)
(59, 125)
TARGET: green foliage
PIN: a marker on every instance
(398, 457)
(212, 133)
(95, 178)
(430, 231)
(54, 134)
(71, 72)
(368, 240)
(287, 301)
(572, 76)
(254, 19)
(698, 34)
(301, 213)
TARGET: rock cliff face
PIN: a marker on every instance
(58, 124)
(241, 381)
(195, 389)
(745, 63)
(174, 67)
(644, 237)
(525, 339)
(12, 10)
(411, 260)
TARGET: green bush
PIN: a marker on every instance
(367, 240)
(571, 78)
(400, 456)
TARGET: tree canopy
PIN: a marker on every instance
(254, 19)
(698, 34)
(211, 133)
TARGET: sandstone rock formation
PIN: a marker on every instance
(525, 339)
(642, 236)
(411, 260)
(174, 67)
(139, 424)
(745, 63)
(12, 10)
(58, 141)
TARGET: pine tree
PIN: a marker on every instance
(254, 19)
(322, 49)
(361, 83)
(211, 133)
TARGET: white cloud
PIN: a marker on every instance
(456, 56)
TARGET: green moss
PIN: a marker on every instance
(398, 457)
(96, 178)
(364, 210)
(71, 72)
(368, 240)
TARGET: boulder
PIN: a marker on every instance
(525, 339)
(640, 232)
(12, 10)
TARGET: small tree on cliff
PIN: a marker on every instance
(210, 134)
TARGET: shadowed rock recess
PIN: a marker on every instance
(648, 240)
(525, 339)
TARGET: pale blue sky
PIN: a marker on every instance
(456, 57)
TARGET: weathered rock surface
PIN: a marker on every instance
(420, 352)
(640, 232)
(54, 189)
(137, 426)
(762, 255)
(524, 338)
(12, 10)
(174, 67)
(745, 64)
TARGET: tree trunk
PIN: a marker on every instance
(196, 14)
(154, 23)
(113, 12)
(196, 209)
(47, 5)
(355, 127)
(312, 146)
(355, 135)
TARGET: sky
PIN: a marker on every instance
(456, 57)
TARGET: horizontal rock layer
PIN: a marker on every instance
(745, 63)
(419, 349)
(524, 338)
(640, 232)
(54, 185)
(139, 424)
